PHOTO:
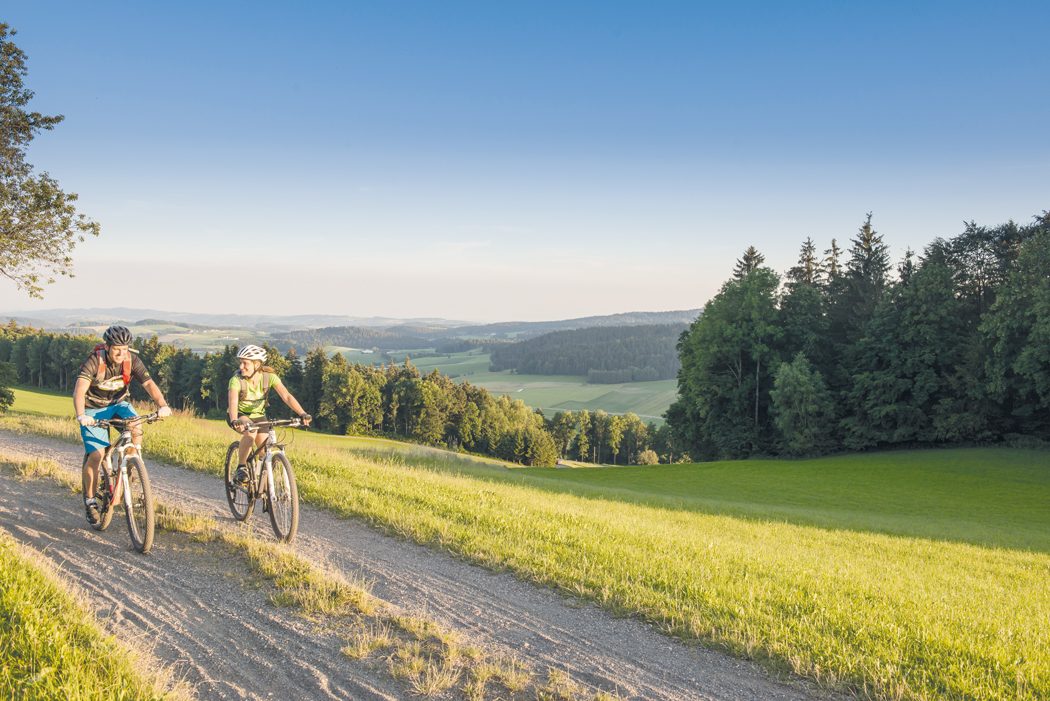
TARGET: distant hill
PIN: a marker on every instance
(609, 354)
(535, 328)
(180, 324)
(70, 317)
(347, 336)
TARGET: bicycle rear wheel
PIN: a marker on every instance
(282, 499)
(241, 503)
(104, 495)
(140, 512)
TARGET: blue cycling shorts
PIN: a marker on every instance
(96, 438)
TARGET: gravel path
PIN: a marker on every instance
(192, 608)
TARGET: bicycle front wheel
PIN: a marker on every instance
(282, 499)
(241, 503)
(138, 505)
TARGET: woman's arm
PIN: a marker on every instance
(285, 395)
(234, 399)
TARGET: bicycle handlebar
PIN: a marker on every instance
(120, 424)
(290, 423)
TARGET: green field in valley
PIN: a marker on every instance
(903, 575)
(551, 393)
(648, 400)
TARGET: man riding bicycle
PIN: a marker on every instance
(101, 392)
(247, 402)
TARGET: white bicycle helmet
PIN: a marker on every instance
(251, 352)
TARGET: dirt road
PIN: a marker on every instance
(192, 607)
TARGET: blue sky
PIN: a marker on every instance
(492, 161)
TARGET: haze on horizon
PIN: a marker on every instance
(489, 162)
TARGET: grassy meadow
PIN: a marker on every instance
(906, 575)
(551, 393)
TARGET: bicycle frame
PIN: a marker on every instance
(270, 448)
(266, 459)
(124, 441)
(120, 474)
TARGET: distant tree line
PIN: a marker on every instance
(954, 348)
(606, 354)
(464, 345)
(180, 324)
(348, 337)
(395, 400)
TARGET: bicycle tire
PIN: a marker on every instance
(241, 502)
(141, 517)
(282, 499)
(104, 494)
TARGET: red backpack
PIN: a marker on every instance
(101, 373)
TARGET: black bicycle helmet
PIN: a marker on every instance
(117, 336)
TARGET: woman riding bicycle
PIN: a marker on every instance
(247, 400)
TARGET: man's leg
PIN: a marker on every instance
(90, 472)
(125, 411)
(96, 440)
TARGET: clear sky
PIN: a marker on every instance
(530, 160)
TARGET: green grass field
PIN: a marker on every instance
(551, 393)
(462, 364)
(561, 393)
(42, 402)
(907, 575)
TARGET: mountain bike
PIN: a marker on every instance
(270, 478)
(127, 481)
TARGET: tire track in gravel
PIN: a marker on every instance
(183, 601)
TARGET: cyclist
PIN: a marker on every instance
(101, 392)
(248, 390)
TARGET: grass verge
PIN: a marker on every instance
(52, 648)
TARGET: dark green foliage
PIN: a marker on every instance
(631, 351)
(349, 337)
(614, 377)
(955, 349)
(463, 345)
(1018, 330)
(903, 362)
(802, 408)
(750, 262)
(728, 357)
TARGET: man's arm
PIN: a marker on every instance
(155, 394)
(79, 396)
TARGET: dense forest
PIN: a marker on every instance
(396, 401)
(610, 354)
(951, 348)
(348, 337)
